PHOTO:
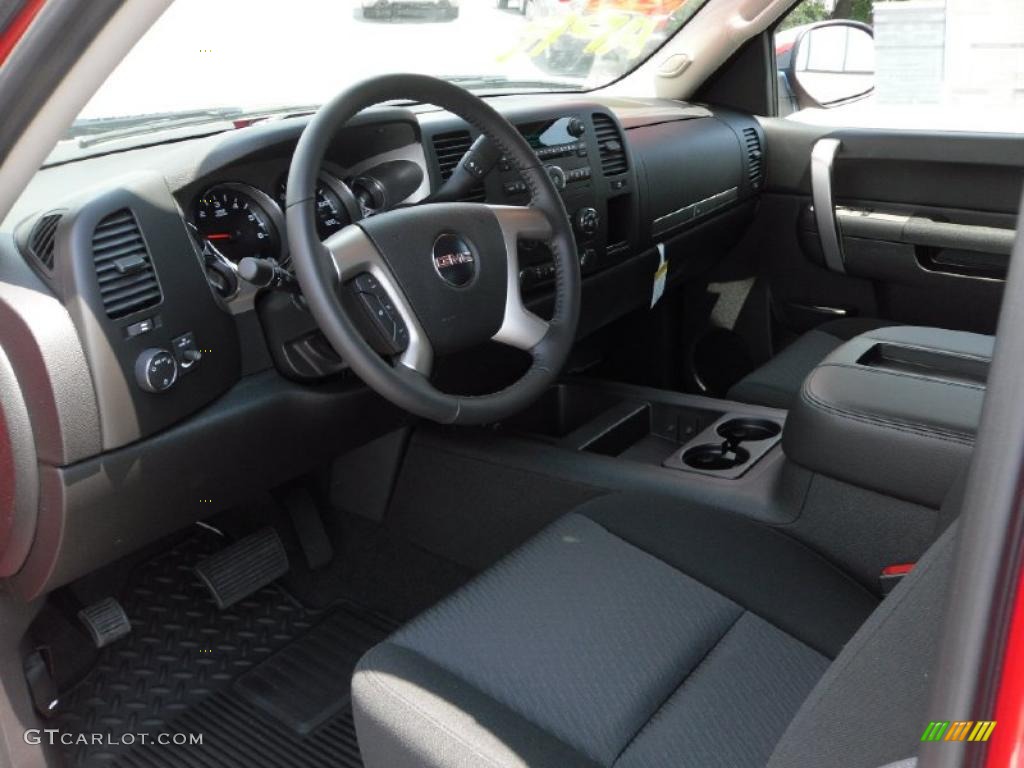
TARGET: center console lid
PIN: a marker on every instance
(894, 410)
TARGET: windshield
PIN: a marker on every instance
(206, 60)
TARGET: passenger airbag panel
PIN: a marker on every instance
(691, 168)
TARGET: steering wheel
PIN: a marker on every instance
(438, 277)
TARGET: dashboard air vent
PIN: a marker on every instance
(124, 269)
(755, 157)
(609, 141)
(449, 149)
(41, 239)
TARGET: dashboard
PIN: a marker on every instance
(149, 355)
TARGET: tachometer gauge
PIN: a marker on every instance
(332, 213)
(236, 221)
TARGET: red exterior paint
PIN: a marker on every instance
(10, 36)
(1006, 749)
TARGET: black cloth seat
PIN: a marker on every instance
(777, 383)
(635, 632)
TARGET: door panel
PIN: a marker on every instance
(918, 227)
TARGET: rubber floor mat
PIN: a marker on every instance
(189, 668)
(307, 682)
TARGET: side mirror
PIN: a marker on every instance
(831, 64)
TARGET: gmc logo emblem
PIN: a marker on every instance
(454, 260)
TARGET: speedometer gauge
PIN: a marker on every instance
(235, 220)
(332, 212)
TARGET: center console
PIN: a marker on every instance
(858, 469)
(895, 411)
(892, 412)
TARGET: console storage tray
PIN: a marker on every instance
(662, 429)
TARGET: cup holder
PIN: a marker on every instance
(748, 430)
(714, 457)
(727, 448)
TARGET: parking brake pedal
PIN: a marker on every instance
(105, 621)
(244, 567)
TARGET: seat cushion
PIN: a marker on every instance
(632, 632)
(777, 383)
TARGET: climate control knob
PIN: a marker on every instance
(156, 370)
(587, 221)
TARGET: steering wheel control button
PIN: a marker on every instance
(186, 352)
(383, 325)
(474, 167)
(156, 370)
(454, 260)
(383, 314)
(367, 283)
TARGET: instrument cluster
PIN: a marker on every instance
(237, 220)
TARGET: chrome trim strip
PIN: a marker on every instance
(695, 210)
(822, 158)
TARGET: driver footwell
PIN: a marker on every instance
(263, 683)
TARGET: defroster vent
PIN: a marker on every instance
(124, 268)
(41, 239)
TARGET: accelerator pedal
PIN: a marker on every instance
(105, 621)
(244, 567)
(309, 528)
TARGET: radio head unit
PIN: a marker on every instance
(558, 133)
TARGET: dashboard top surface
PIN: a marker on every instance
(187, 162)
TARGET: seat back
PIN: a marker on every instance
(869, 709)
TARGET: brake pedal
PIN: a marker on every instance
(105, 621)
(244, 567)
